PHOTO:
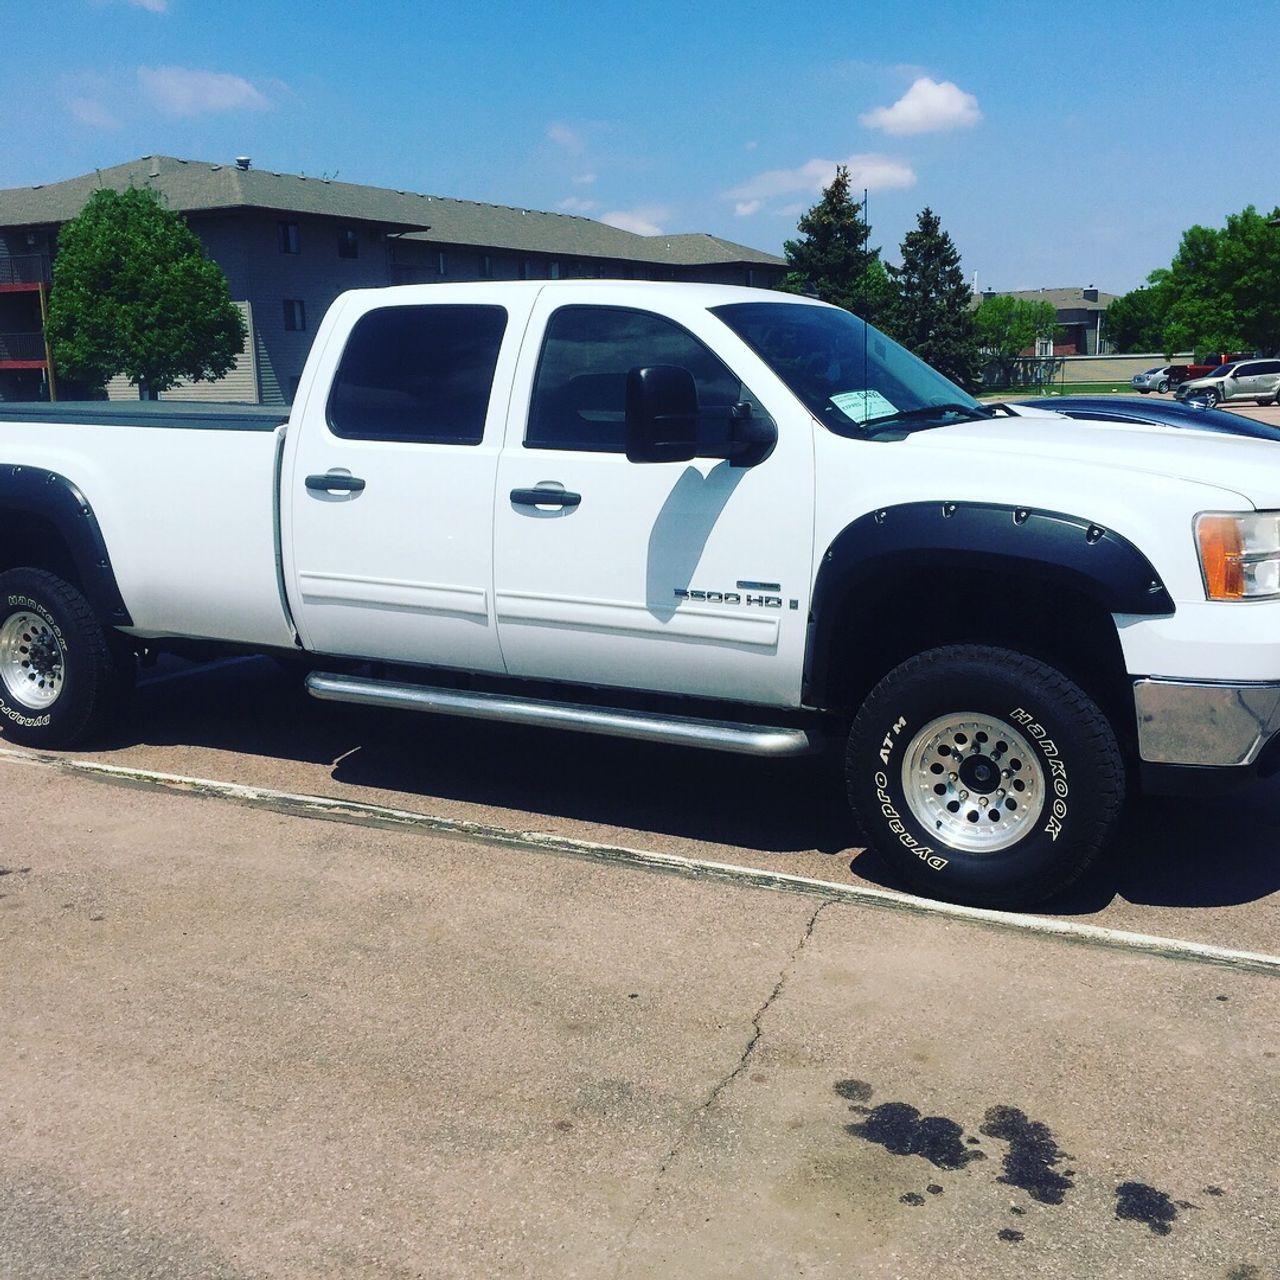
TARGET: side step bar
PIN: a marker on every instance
(614, 722)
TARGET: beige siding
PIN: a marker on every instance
(239, 386)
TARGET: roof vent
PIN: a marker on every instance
(243, 162)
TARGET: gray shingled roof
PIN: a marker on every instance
(1062, 299)
(197, 187)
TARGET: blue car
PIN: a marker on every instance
(1165, 413)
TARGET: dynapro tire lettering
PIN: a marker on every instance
(922, 851)
(1057, 768)
(27, 722)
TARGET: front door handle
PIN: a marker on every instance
(545, 498)
(334, 482)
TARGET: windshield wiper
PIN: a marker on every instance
(970, 412)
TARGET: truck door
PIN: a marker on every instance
(387, 510)
(681, 577)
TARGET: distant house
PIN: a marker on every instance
(289, 244)
(1079, 318)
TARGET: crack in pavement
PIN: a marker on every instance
(739, 1067)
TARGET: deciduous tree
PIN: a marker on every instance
(134, 293)
(1008, 326)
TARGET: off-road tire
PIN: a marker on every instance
(924, 788)
(64, 678)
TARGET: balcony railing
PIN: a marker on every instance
(25, 268)
(22, 346)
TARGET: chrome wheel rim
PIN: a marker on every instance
(32, 666)
(973, 781)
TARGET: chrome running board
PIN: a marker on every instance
(614, 722)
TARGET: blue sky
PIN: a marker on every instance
(1063, 144)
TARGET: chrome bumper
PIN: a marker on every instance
(1199, 723)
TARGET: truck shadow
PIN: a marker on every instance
(1168, 852)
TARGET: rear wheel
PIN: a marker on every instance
(984, 776)
(1163, 385)
(63, 676)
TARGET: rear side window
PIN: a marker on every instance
(420, 374)
(580, 391)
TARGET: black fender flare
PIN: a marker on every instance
(1052, 547)
(50, 496)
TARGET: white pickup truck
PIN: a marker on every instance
(702, 515)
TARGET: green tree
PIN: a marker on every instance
(1008, 326)
(134, 293)
(930, 309)
(832, 257)
(1223, 286)
(1136, 321)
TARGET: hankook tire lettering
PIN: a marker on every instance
(1057, 768)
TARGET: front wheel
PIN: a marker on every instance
(63, 677)
(1163, 385)
(984, 776)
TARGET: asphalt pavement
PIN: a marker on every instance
(240, 1043)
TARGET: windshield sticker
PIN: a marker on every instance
(862, 405)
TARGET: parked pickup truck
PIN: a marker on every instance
(707, 516)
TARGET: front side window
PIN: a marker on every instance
(421, 374)
(852, 378)
(580, 390)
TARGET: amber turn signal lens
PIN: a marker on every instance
(1221, 549)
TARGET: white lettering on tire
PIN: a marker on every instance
(1057, 768)
(905, 838)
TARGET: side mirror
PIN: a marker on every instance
(751, 436)
(662, 414)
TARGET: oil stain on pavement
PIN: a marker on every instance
(1031, 1161)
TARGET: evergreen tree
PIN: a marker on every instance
(134, 293)
(931, 314)
(832, 258)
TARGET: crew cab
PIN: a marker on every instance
(722, 518)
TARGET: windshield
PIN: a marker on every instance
(851, 377)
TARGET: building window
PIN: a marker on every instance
(295, 315)
(486, 266)
(751, 276)
(290, 241)
(294, 380)
(441, 263)
(348, 243)
(553, 271)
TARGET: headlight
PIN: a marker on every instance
(1239, 555)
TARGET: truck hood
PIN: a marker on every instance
(1247, 467)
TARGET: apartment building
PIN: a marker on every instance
(289, 244)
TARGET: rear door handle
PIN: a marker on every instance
(545, 498)
(332, 482)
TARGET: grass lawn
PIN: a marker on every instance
(1059, 389)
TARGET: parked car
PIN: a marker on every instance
(1192, 414)
(1246, 380)
(720, 518)
(1156, 379)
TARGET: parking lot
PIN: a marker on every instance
(297, 989)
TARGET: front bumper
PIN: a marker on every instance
(1186, 722)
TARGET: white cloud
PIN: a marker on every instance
(91, 112)
(642, 220)
(151, 6)
(564, 136)
(927, 107)
(574, 205)
(583, 179)
(875, 172)
(745, 208)
(185, 91)
(750, 146)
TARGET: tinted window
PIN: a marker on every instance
(580, 391)
(418, 373)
